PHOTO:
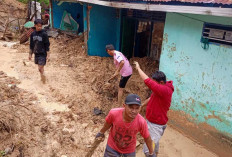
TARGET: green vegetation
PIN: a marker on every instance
(45, 1)
(2, 153)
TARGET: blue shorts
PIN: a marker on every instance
(109, 152)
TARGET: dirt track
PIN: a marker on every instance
(65, 104)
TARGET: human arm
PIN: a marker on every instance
(146, 135)
(47, 45)
(31, 47)
(108, 123)
(48, 56)
(149, 144)
(145, 103)
(141, 73)
(153, 85)
(121, 64)
(106, 127)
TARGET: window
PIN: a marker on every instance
(219, 34)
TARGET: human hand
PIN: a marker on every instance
(110, 80)
(116, 73)
(137, 66)
(100, 136)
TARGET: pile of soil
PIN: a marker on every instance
(27, 130)
(22, 124)
(14, 13)
(81, 84)
(76, 84)
(98, 70)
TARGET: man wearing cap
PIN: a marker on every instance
(124, 124)
(157, 105)
(123, 68)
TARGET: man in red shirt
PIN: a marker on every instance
(124, 124)
(157, 105)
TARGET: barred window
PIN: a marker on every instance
(219, 34)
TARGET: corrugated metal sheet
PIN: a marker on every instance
(189, 1)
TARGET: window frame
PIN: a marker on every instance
(213, 40)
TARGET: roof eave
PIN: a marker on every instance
(226, 12)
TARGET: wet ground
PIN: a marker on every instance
(67, 100)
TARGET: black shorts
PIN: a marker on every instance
(40, 60)
(123, 81)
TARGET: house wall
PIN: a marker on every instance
(201, 77)
(104, 29)
(72, 8)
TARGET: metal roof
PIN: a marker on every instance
(184, 1)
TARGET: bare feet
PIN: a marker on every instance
(43, 78)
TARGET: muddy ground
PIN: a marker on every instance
(56, 118)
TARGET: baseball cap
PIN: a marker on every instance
(110, 47)
(133, 99)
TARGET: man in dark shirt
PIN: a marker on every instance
(39, 45)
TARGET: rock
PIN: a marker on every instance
(64, 156)
(84, 125)
(9, 150)
(55, 145)
(70, 105)
(97, 111)
(67, 131)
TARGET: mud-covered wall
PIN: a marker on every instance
(202, 78)
(104, 29)
(75, 9)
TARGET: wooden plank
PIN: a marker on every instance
(227, 12)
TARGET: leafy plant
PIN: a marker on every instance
(2, 153)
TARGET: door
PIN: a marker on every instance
(128, 36)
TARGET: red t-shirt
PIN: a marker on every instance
(122, 137)
(160, 101)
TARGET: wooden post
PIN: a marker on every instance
(88, 20)
(28, 10)
(51, 6)
(35, 10)
(6, 26)
(19, 26)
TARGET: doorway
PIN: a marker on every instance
(128, 36)
(142, 37)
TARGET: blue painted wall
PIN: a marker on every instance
(104, 29)
(73, 8)
(202, 78)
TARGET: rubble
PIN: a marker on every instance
(12, 17)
